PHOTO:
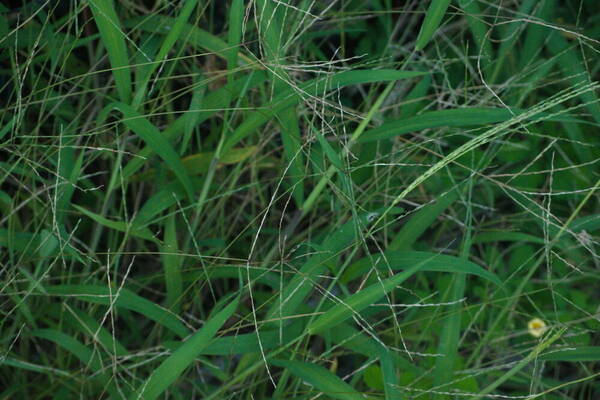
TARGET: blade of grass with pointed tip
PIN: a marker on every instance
(433, 18)
(521, 364)
(421, 221)
(271, 22)
(143, 233)
(322, 379)
(211, 104)
(173, 34)
(316, 87)
(436, 119)
(299, 286)
(126, 299)
(90, 359)
(88, 325)
(359, 301)
(192, 34)
(82, 352)
(573, 354)
(172, 367)
(199, 163)
(154, 139)
(172, 265)
(390, 380)
(16, 363)
(399, 260)
(511, 33)
(478, 29)
(113, 39)
(574, 70)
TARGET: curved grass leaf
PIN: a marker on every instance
(399, 260)
(89, 326)
(433, 17)
(173, 34)
(422, 220)
(573, 354)
(125, 299)
(143, 233)
(171, 368)
(82, 352)
(199, 163)
(321, 378)
(163, 25)
(316, 87)
(153, 138)
(436, 119)
(112, 36)
(358, 301)
(211, 104)
(16, 363)
(247, 343)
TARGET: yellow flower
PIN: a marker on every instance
(536, 327)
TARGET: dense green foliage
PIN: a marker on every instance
(292, 199)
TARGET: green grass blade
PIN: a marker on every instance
(450, 335)
(154, 139)
(297, 288)
(247, 343)
(21, 364)
(82, 352)
(236, 23)
(433, 18)
(400, 260)
(125, 299)
(87, 325)
(198, 37)
(32, 243)
(321, 378)
(142, 233)
(574, 70)
(317, 87)
(113, 39)
(359, 301)
(573, 354)
(171, 368)
(272, 21)
(435, 119)
(478, 29)
(172, 265)
(390, 380)
(421, 221)
(211, 104)
(521, 364)
(510, 34)
(174, 33)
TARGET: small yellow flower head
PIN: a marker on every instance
(536, 327)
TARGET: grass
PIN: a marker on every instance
(297, 200)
